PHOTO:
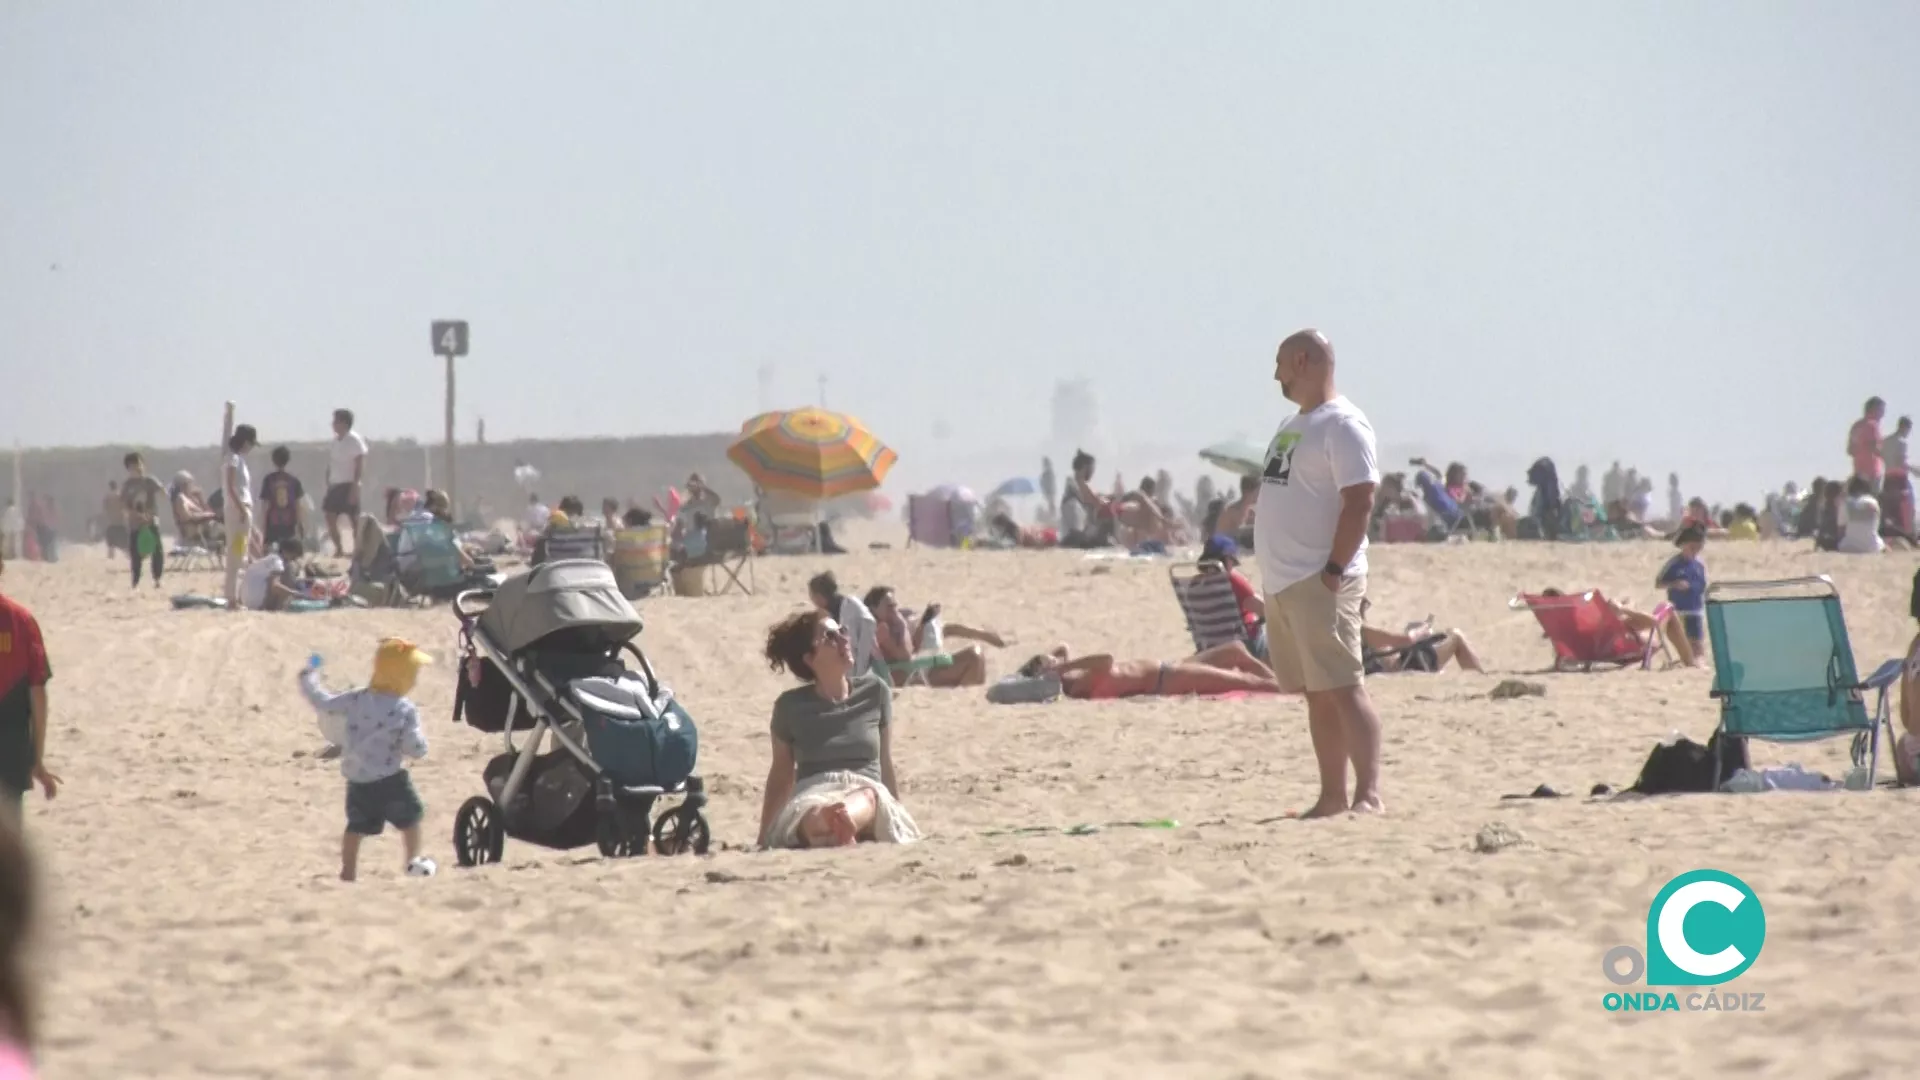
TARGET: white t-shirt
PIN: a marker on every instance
(1311, 459)
(342, 452)
(537, 517)
(243, 480)
(260, 574)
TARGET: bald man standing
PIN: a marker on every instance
(1310, 536)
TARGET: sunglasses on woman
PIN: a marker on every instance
(830, 631)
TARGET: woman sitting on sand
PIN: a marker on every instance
(1223, 669)
(832, 781)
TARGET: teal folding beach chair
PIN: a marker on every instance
(1783, 667)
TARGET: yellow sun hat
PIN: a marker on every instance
(396, 665)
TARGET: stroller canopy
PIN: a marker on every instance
(577, 595)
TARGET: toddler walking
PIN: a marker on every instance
(377, 730)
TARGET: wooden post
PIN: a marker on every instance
(453, 499)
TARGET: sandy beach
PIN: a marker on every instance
(196, 928)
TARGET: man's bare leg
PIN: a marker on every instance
(333, 534)
(1363, 747)
(1327, 725)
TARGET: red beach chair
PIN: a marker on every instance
(1586, 631)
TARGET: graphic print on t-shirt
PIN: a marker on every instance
(1280, 458)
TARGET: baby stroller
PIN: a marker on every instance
(543, 653)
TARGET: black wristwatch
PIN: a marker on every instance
(1334, 569)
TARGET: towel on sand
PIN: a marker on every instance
(891, 825)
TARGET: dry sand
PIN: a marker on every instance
(196, 928)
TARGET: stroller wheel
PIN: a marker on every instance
(614, 840)
(478, 837)
(681, 830)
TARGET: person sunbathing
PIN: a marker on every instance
(1643, 627)
(901, 639)
(1419, 649)
(1223, 669)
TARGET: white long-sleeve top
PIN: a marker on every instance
(863, 632)
(376, 732)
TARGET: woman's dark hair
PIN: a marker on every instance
(1082, 460)
(824, 585)
(636, 518)
(243, 437)
(1033, 667)
(790, 642)
(17, 915)
(1147, 485)
(571, 506)
(878, 595)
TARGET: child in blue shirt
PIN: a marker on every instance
(1685, 579)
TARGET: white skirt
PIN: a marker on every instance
(891, 824)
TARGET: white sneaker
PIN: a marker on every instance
(421, 867)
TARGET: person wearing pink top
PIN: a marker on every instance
(1863, 442)
(17, 903)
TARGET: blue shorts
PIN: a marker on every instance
(1695, 624)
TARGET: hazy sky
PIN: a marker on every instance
(1687, 234)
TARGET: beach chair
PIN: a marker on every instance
(929, 521)
(427, 558)
(1585, 631)
(199, 547)
(640, 561)
(374, 574)
(1206, 600)
(729, 551)
(571, 542)
(1783, 667)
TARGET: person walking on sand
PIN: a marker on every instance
(1310, 530)
(23, 707)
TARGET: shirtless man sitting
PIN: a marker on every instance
(1223, 669)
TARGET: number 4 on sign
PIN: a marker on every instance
(450, 337)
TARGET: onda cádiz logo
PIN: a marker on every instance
(1704, 928)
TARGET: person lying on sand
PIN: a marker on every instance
(1385, 651)
(900, 639)
(1223, 669)
(831, 782)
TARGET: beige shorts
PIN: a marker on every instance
(1313, 634)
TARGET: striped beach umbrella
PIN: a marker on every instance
(812, 453)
